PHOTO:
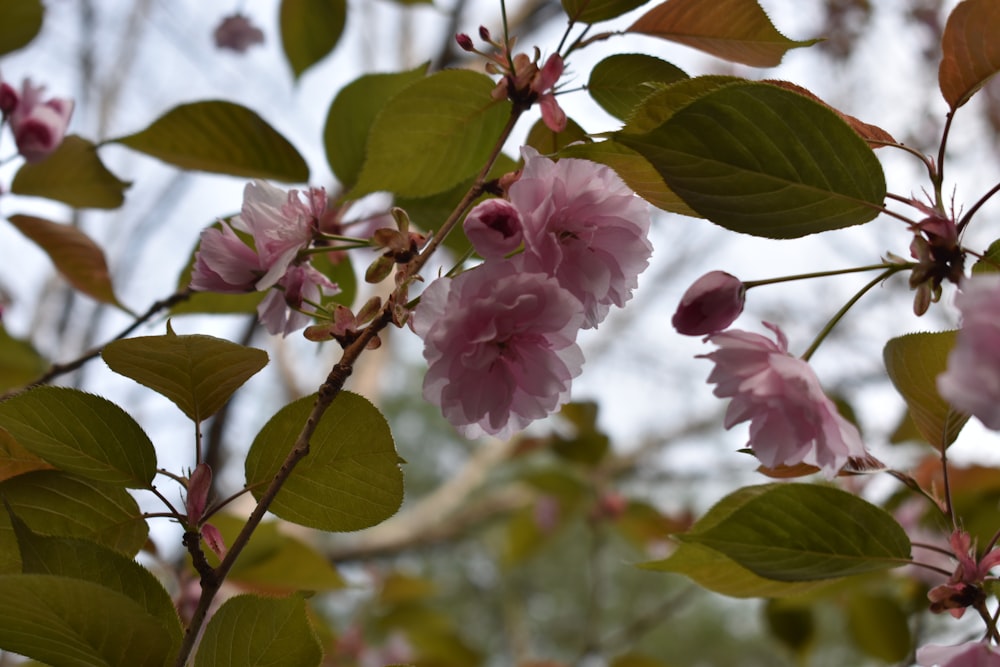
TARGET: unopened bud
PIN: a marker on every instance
(199, 484)
(710, 305)
(484, 34)
(465, 42)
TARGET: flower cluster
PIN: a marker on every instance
(38, 125)
(791, 420)
(281, 226)
(964, 587)
(500, 339)
(972, 381)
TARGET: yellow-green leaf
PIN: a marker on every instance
(310, 29)
(20, 362)
(72, 174)
(21, 21)
(592, 11)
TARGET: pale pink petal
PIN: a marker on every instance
(38, 127)
(971, 654)
(494, 228)
(224, 263)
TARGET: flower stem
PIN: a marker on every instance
(820, 274)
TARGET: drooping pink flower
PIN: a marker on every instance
(964, 587)
(711, 304)
(301, 285)
(791, 420)
(224, 263)
(970, 654)
(494, 228)
(584, 226)
(543, 84)
(38, 126)
(237, 33)
(972, 381)
(500, 346)
(281, 225)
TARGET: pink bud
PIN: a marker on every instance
(464, 41)
(199, 484)
(237, 33)
(710, 305)
(494, 228)
(38, 126)
(8, 98)
(213, 538)
(485, 34)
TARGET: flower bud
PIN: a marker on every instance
(237, 33)
(710, 305)
(8, 98)
(198, 486)
(494, 228)
(39, 126)
(465, 42)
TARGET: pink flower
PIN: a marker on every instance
(970, 654)
(38, 127)
(8, 98)
(281, 310)
(282, 225)
(791, 420)
(964, 587)
(237, 33)
(711, 304)
(584, 226)
(500, 346)
(224, 263)
(972, 381)
(494, 228)
(543, 84)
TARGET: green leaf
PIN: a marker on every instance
(620, 82)
(635, 170)
(198, 373)
(220, 137)
(82, 559)
(74, 175)
(349, 480)
(252, 631)
(547, 142)
(664, 102)
(275, 563)
(354, 109)
(879, 627)
(714, 571)
(20, 362)
(80, 261)
(66, 621)
(970, 54)
(802, 532)
(310, 29)
(990, 261)
(434, 134)
(592, 11)
(913, 362)
(55, 503)
(761, 160)
(21, 21)
(734, 30)
(81, 433)
(794, 625)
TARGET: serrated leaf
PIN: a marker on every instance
(635, 170)
(81, 433)
(16, 460)
(874, 135)
(547, 142)
(80, 261)
(55, 503)
(66, 621)
(990, 261)
(620, 82)
(72, 174)
(197, 373)
(309, 30)
(274, 562)
(21, 21)
(434, 134)
(913, 362)
(20, 362)
(970, 52)
(220, 137)
(252, 631)
(658, 107)
(761, 160)
(350, 118)
(82, 559)
(734, 30)
(593, 11)
(802, 532)
(351, 477)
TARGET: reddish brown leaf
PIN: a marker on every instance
(970, 50)
(873, 134)
(75, 255)
(736, 30)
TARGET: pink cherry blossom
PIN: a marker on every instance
(301, 285)
(494, 228)
(972, 381)
(281, 224)
(964, 587)
(791, 420)
(584, 226)
(224, 263)
(543, 84)
(500, 346)
(970, 654)
(711, 304)
(237, 33)
(38, 126)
